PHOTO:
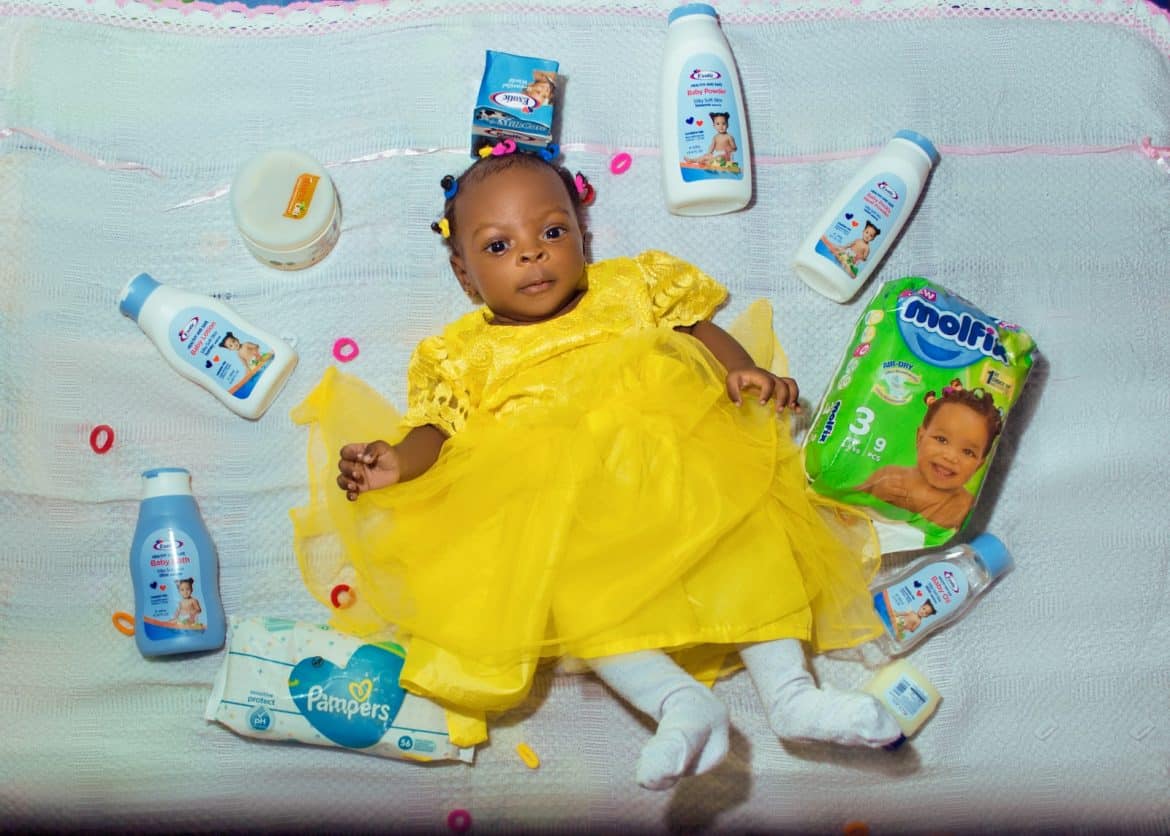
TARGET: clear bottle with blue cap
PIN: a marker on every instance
(205, 341)
(174, 569)
(849, 241)
(936, 589)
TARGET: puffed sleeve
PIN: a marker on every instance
(680, 293)
(435, 392)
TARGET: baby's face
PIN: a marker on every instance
(951, 446)
(519, 245)
(185, 589)
(720, 123)
(869, 233)
(231, 343)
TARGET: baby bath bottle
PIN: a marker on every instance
(936, 589)
(851, 238)
(706, 155)
(174, 570)
(207, 342)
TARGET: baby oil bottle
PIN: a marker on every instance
(706, 154)
(174, 570)
(936, 589)
(851, 238)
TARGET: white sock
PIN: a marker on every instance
(798, 710)
(692, 735)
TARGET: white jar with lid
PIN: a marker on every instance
(286, 209)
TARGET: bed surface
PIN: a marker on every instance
(121, 126)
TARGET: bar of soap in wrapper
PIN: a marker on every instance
(517, 98)
(913, 415)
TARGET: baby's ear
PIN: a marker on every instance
(460, 271)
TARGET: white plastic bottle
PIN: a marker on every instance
(174, 570)
(936, 589)
(849, 240)
(207, 342)
(706, 154)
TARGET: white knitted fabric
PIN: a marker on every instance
(121, 125)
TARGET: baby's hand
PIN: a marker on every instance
(367, 467)
(783, 389)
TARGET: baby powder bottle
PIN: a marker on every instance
(207, 342)
(850, 239)
(706, 155)
(174, 570)
(936, 589)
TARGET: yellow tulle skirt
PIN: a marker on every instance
(619, 502)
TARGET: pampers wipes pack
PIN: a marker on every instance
(290, 680)
(912, 417)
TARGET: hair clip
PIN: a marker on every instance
(442, 226)
(550, 152)
(584, 189)
(502, 149)
(450, 186)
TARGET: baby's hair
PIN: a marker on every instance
(876, 231)
(976, 399)
(715, 116)
(190, 581)
(486, 167)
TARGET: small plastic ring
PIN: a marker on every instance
(123, 623)
(345, 349)
(335, 597)
(105, 433)
(620, 163)
(459, 821)
(508, 146)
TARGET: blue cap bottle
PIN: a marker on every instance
(174, 570)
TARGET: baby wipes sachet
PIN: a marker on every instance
(296, 681)
(912, 417)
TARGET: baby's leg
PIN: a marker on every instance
(798, 710)
(692, 735)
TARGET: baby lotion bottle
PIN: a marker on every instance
(907, 694)
(174, 570)
(706, 155)
(241, 364)
(853, 235)
(936, 589)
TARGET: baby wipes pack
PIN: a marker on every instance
(516, 101)
(912, 417)
(291, 680)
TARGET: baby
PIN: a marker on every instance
(588, 467)
(249, 352)
(723, 147)
(857, 250)
(189, 607)
(952, 443)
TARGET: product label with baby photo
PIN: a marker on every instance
(709, 122)
(517, 98)
(220, 350)
(912, 418)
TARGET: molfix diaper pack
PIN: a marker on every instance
(516, 102)
(289, 680)
(912, 417)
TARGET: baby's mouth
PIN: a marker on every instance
(943, 472)
(537, 286)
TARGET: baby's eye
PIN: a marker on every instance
(554, 232)
(496, 247)
(969, 453)
(941, 439)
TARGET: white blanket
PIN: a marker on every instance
(121, 125)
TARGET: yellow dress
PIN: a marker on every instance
(599, 493)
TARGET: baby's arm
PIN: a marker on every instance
(368, 467)
(742, 371)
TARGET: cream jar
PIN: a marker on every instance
(286, 209)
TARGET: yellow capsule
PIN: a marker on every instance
(527, 755)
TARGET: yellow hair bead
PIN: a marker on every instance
(444, 228)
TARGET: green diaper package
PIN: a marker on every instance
(912, 417)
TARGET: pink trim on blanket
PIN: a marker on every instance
(1160, 154)
(1129, 15)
